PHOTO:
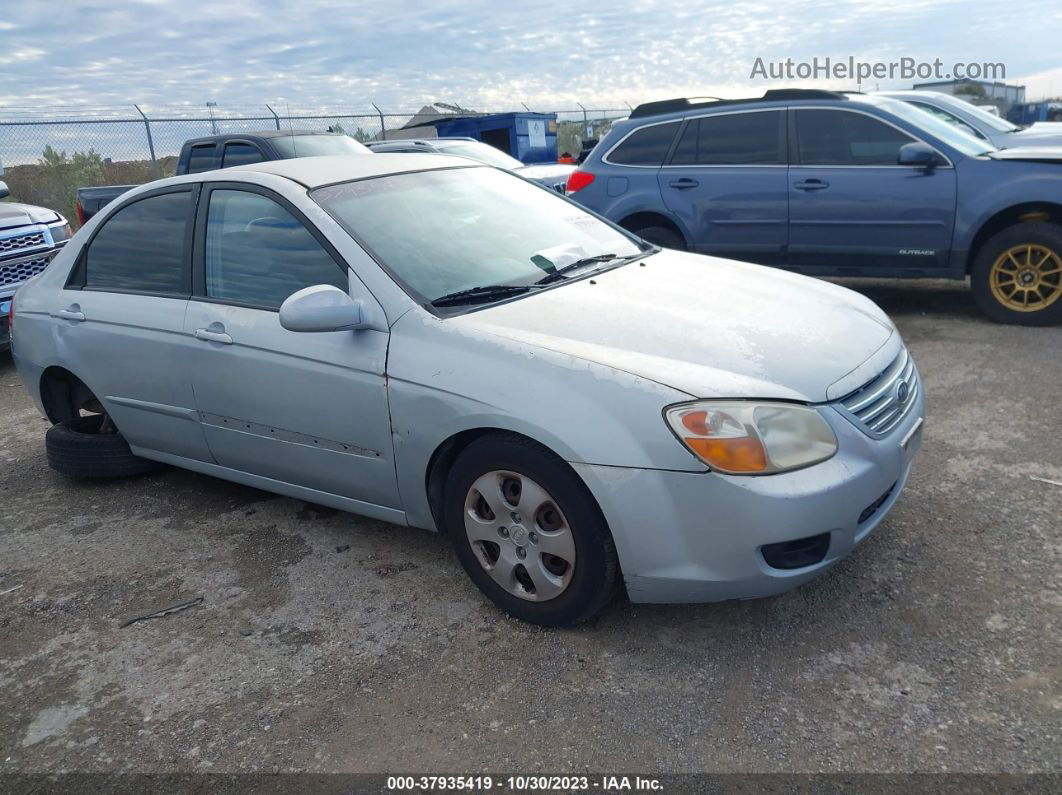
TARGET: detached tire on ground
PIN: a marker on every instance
(662, 236)
(1017, 275)
(77, 449)
(528, 532)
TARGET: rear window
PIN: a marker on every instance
(141, 247)
(732, 139)
(647, 146)
(201, 158)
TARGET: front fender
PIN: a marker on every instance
(444, 379)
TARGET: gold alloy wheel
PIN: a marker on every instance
(1027, 278)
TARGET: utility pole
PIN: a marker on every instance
(213, 122)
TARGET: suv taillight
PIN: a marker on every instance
(80, 213)
(578, 180)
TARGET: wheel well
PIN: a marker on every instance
(1032, 211)
(445, 455)
(63, 395)
(638, 220)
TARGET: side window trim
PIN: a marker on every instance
(783, 149)
(198, 244)
(794, 154)
(77, 280)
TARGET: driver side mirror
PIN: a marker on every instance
(321, 308)
(918, 155)
(4, 192)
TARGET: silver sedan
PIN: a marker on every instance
(447, 346)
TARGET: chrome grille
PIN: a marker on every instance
(9, 245)
(15, 272)
(881, 404)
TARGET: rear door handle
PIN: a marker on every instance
(811, 184)
(683, 184)
(72, 312)
(213, 336)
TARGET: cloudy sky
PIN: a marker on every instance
(482, 53)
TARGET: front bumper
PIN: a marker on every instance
(698, 537)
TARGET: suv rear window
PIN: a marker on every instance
(647, 146)
(201, 158)
(732, 139)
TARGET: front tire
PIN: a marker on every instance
(528, 532)
(1017, 275)
(78, 449)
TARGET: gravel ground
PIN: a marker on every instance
(326, 642)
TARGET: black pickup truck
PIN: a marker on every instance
(232, 149)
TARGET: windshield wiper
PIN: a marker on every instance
(558, 274)
(483, 293)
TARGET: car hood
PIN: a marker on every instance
(1037, 153)
(546, 172)
(13, 214)
(1032, 137)
(708, 327)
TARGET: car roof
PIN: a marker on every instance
(259, 134)
(328, 170)
(421, 141)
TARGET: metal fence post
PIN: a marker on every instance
(276, 118)
(151, 143)
(586, 123)
(383, 127)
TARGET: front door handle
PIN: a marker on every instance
(72, 312)
(213, 336)
(683, 184)
(811, 184)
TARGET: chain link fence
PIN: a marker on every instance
(47, 155)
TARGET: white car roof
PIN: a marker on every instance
(316, 171)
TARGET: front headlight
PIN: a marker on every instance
(61, 232)
(750, 438)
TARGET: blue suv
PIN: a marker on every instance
(833, 184)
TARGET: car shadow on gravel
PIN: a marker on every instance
(943, 298)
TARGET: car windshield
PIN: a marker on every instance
(484, 153)
(982, 115)
(937, 127)
(314, 145)
(443, 231)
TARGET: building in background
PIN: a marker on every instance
(979, 92)
(527, 136)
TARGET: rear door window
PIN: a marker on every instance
(733, 139)
(258, 253)
(201, 158)
(647, 146)
(238, 153)
(140, 248)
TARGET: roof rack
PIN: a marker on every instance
(772, 95)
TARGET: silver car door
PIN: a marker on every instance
(308, 409)
(120, 321)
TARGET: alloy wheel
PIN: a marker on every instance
(1027, 278)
